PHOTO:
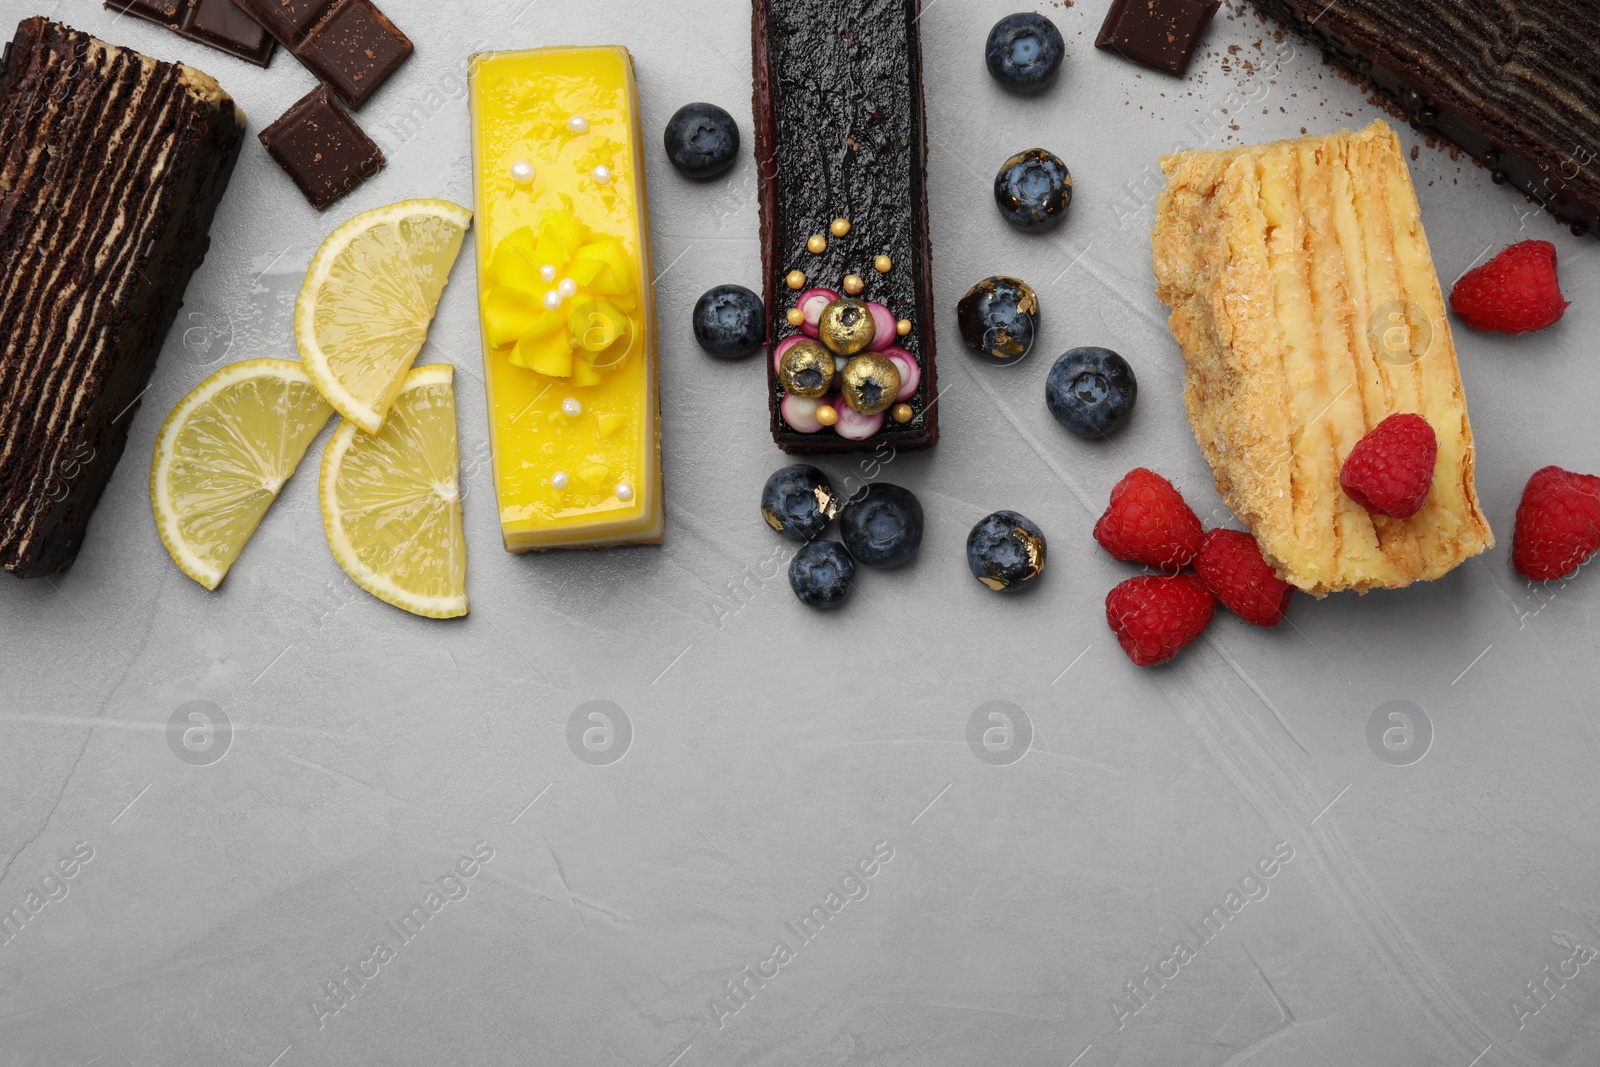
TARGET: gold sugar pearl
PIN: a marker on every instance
(840, 227)
(817, 245)
(883, 264)
(853, 284)
(901, 413)
(797, 280)
(796, 317)
(903, 328)
(827, 414)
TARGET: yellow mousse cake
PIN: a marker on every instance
(565, 292)
(1307, 306)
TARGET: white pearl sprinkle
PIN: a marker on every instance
(548, 272)
(552, 300)
(572, 406)
(624, 491)
(559, 479)
(522, 173)
(578, 124)
(602, 174)
(568, 288)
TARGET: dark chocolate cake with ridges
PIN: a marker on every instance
(1516, 83)
(841, 133)
(111, 167)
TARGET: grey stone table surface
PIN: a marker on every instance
(1368, 837)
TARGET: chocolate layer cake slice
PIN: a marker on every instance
(841, 137)
(1515, 82)
(113, 165)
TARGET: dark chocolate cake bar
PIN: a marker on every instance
(1515, 83)
(841, 134)
(113, 166)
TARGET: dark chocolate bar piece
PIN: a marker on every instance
(1159, 34)
(111, 166)
(218, 23)
(841, 133)
(287, 20)
(354, 49)
(322, 148)
(349, 44)
(1515, 83)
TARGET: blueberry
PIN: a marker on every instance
(999, 318)
(882, 525)
(1006, 551)
(729, 321)
(821, 574)
(1033, 190)
(798, 502)
(1091, 391)
(1025, 52)
(702, 140)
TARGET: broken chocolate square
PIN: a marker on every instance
(354, 49)
(350, 45)
(1159, 34)
(322, 148)
(287, 20)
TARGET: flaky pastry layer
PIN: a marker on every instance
(1308, 310)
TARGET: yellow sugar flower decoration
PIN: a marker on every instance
(560, 301)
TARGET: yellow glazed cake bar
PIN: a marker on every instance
(1307, 306)
(569, 334)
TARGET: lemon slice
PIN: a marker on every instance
(223, 455)
(368, 299)
(391, 501)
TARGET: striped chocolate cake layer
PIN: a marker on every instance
(113, 165)
(1514, 82)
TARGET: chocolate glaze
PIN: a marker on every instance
(1484, 77)
(841, 133)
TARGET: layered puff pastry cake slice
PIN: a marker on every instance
(1308, 310)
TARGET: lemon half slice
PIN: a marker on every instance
(391, 500)
(368, 299)
(223, 455)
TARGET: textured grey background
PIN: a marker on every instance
(772, 748)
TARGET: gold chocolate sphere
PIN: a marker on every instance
(797, 279)
(901, 413)
(807, 370)
(827, 414)
(840, 227)
(853, 284)
(871, 383)
(846, 326)
(796, 316)
(903, 327)
(817, 245)
(883, 264)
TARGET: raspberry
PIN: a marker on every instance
(1390, 470)
(1231, 566)
(1148, 522)
(1515, 292)
(1558, 524)
(1157, 616)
